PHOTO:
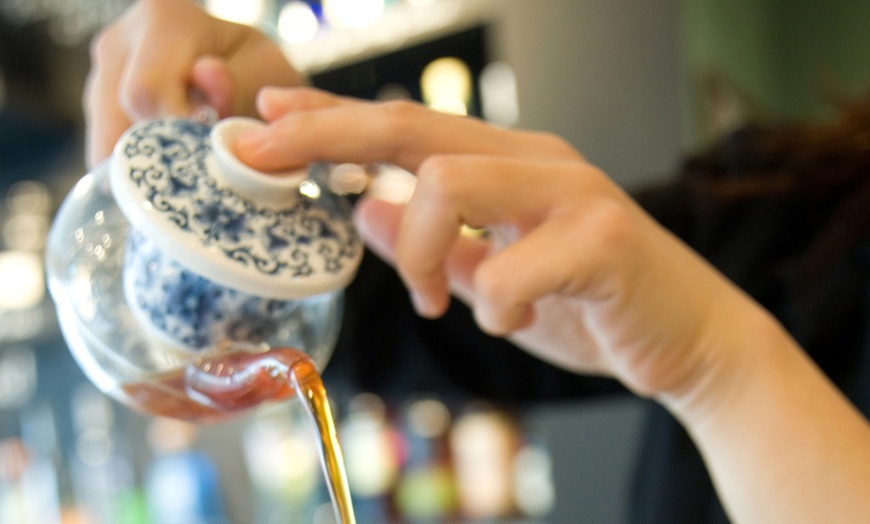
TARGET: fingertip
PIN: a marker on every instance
(503, 320)
(378, 222)
(212, 79)
(269, 102)
(273, 102)
(251, 146)
(428, 305)
(143, 95)
(500, 318)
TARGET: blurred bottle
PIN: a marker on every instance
(28, 486)
(39, 436)
(426, 491)
(182, 484)
(29, 490)
(104, 482)
(484, 442)
(372, 457)
(283, 462)
(534, 489)
(18, 376)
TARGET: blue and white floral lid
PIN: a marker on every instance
(282, 236)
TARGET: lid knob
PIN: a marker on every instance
(179, 183)
(272, 190)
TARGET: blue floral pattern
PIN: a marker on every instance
(167, 160)
(191, 312)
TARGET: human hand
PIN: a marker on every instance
(166, 57)
(573, 270)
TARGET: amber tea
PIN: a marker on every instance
(223, 383)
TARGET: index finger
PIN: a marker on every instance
(400, 132)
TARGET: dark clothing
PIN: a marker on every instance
(385, 348)
(759, 243)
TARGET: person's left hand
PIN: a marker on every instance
(166, 57)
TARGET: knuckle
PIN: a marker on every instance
(440, 176)
(401, 109)
(614, 227)
(436, 170)
(554, 145)
(399, 119)
(153, 6)
(138, 95)
(302, 98)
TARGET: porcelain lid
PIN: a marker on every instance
(280, 236)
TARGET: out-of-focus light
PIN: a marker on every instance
(22, 284)
(17, 376)
(280, 455)
(533, 481)
(29, 196)
(393, 91)
(446, 85)
(428, 418)
(426, 494)
(370, 456)
(420, 2)
(297, 23)
(25, 231)
(351, 14)
(324, 514)
(348, 179)
(483, 446)
(498, 94)
(369, 404)
(392, 184)
(166, 435)
(248, 12)
(94, 447)
(28, 203)
(14, 461)
(90, 409)
(309, 189)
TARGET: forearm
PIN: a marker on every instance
(781, 442)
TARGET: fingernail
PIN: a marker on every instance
(251, 138)
(248, 144)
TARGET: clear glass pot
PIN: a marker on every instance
(173, 250)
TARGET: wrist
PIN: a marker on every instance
(745, 344)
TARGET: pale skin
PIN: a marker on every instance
(576, 273)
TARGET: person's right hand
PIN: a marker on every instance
(166, 57)
(572, 269)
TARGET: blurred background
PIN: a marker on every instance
(633, 85)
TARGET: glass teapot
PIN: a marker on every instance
(173, 252)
